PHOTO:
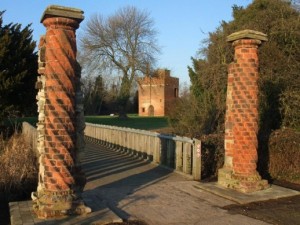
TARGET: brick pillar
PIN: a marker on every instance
(60, 177)
(241, 121)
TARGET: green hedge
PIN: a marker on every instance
(284, 155)
(212, 155)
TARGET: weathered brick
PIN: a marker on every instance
(157, 93)
(242, 112)
(58, 120)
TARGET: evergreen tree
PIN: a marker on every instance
(94, 93)
(18, 70)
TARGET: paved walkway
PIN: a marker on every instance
(135, 189)
(120, 188)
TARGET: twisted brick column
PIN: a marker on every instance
(241, 121)
(60, 176)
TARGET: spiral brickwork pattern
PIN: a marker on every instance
(60, 85)
(241, 119)
(61, 122)
(244, 107)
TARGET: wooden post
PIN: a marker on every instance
(197, 160)
(187, 158)
(157, 150)
(179, 156)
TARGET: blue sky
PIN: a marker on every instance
(181, 24)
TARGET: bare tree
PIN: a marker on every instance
(124, 43)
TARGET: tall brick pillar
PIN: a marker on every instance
(60, 123)
(241, 121)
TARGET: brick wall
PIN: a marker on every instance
(171, 93)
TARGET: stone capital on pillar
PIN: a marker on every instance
(62, 17)
(64, 12)
(241, 119)
(247, 39)
(247, 34)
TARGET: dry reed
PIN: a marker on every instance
(18, 173)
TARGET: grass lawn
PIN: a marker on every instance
(133, 121)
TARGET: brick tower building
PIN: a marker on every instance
(157, 93)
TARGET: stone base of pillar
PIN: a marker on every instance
(48, 204)
(245, 184)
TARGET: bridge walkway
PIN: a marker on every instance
(120, 188)
(136, 189)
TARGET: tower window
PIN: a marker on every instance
(175, 92)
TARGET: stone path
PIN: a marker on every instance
(135, 189)
(121, 188)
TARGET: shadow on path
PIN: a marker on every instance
(113, 176)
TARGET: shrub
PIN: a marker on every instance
(18, 174)
(212, 155)
(184, 117)
(290, 101)
(284, 155)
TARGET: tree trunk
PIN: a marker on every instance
(123, 97)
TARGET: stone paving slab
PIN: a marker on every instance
(173, 202)
(134, 189)
(274, 192)
(21, 214)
